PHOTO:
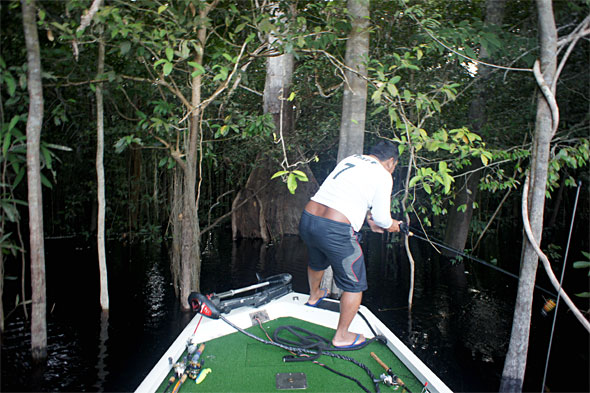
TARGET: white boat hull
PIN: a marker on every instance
(290, 305)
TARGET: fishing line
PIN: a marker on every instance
(561, 284)
(478, 260)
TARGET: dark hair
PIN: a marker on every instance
(384, 150)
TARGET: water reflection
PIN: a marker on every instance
(154, 292)
(101, 368)
(459, 324)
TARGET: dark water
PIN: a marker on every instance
(459, 324)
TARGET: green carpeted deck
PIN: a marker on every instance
(240, 364)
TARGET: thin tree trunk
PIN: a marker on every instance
(515, 363)
(176, 220)
(35, 199)
(100, 181)
(190, 262)
(354, 101)
(459, 221)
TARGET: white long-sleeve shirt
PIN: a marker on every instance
(358, 183)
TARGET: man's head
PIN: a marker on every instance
(387, 153)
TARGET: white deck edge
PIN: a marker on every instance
(290, 305)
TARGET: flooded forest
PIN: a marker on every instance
(149, 149)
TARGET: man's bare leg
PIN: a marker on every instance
(349, 305)
(314, 277)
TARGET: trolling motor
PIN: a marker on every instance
(213, 306)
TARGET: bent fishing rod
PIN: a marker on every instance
(411, 231)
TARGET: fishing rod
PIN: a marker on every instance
(411, 231)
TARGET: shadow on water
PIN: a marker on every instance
(459, 324)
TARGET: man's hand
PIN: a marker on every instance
(395, 227)
(374, 227)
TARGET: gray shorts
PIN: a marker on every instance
(332, 243)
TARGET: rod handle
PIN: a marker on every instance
(379, 361)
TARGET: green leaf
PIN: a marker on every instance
(427, 188)
(162, 8)
(157, 63)
(392, 89)
(414, 180)
(124, 47)
(10, 82)
(20, 175)
(199, 69)
(46, 156)
(167, 68)
(169, 53)
(45, 181)
(300, 175)
(10, 211)
(279, 173)
(292, 183)
(583, 294)
(6, 144)
(13, 122)
(581, 264)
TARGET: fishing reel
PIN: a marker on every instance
(404, 228)
(388, 380)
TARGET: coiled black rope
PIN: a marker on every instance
(318, 349)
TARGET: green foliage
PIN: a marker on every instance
(291, 177)
(569, 156)
(583, 265)
(420, 93)
(245, 125)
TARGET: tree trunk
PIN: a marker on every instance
(265, 208)
(35, 199)
(354, 101)
(176, 219)
(515, 363)
(190, 261)
(459, 221)
(100, 182)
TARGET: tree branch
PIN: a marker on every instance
(545, 260)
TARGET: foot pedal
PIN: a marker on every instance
(289, 381)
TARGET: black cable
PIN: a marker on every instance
(309, 340)
(345, 376)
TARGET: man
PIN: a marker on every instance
(328, 226)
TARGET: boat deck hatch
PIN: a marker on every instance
(289, 381)
(261, 316)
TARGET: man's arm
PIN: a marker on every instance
(395, 226)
